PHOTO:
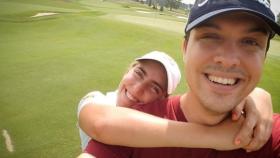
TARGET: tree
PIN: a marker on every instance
(154, 3)
(164, 3)
(161, 4)
(278, 18)
(149, 2)
(173, 4)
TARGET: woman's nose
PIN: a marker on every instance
(138, 89)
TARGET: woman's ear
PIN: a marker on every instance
(165, 96)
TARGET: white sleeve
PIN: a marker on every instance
(94, 97)
(91, 97)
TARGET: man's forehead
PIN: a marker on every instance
(237, 16)
(242, 17)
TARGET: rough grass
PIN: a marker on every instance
(48, 63)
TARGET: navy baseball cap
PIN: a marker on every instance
(206, 9)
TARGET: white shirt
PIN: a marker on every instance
(94, 97)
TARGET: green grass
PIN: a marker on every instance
(48, 63)
(271, 74)
(277, 37)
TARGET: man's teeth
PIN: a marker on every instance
(130, 97)
(220, 80)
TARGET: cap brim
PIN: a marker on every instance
(274, 26)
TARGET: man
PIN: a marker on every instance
(224, 52)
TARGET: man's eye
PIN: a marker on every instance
(250, 42)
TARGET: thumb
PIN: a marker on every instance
(237, 111)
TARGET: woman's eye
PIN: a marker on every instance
(156, 90)
(138, 73)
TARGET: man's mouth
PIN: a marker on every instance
(223, 80)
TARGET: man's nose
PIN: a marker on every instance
(228, 55)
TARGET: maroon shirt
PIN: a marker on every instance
(170, 109)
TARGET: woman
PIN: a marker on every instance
(150, 77)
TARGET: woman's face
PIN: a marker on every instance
(145, 82)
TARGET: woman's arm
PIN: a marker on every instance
(259, 113)
(128, 127)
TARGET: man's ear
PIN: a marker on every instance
(184, 49)
(184, 45)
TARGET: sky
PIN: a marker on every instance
(275, 5)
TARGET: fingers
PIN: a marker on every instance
(262, 133)
(237, 111)
(257, 141)
(248, 125)
(263, 115)
(246, 132)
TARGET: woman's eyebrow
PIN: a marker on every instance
(142, 70)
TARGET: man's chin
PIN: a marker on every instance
(219, 106)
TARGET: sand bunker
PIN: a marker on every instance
(182, 17)
(145, 12)
(43, 14)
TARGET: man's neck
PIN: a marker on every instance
(197, 113)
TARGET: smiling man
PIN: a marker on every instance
(224, 52)
(222, 64)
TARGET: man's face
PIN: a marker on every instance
(145, 82)
(224, 58)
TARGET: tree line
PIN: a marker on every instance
(176, 4)
(161, 4)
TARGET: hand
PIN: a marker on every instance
(225, 133)
(258, 119)
(85, 155)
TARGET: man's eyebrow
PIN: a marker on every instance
(259, 29)
(208, 25)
